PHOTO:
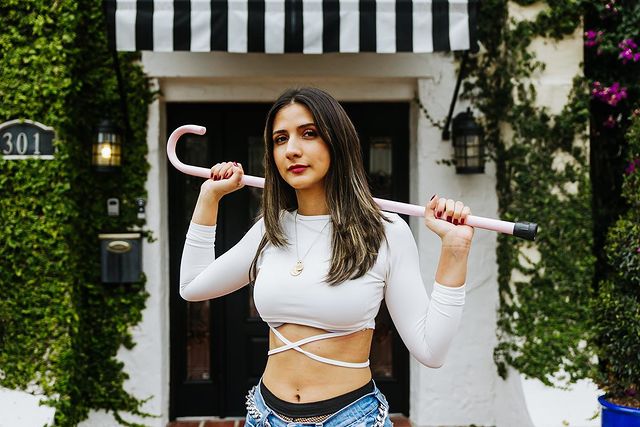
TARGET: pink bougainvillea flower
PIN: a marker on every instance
(611, 95)
(592, 38)
(627, 48)
(633, 166)
(611, 7)
(627, 43)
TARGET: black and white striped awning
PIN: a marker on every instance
(282, 26)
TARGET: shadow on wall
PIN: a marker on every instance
(551, 407)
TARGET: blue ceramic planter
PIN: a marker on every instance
(618, 416)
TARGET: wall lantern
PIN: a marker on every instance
(468, 143)
(107, 148)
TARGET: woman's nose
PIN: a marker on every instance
(293, 148)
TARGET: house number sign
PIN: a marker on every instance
(25, 139)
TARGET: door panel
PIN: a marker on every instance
(383, 129)
(219, 347)
(237, 344)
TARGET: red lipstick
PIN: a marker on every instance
(297, 168)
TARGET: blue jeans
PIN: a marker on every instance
(370, 410)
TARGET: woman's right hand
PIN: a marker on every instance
(225, 178)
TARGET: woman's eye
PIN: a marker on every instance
(280, 139)
(309, 133)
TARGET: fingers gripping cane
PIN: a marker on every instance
(525, 230)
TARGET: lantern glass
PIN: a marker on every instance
(380, 157)
(107, 148)
(468, 144)
(380, 174)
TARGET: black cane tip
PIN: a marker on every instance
(525, 230)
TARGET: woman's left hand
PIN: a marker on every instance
(447, 218)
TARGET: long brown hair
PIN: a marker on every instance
(358, 230)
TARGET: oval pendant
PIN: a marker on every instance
(297, 269)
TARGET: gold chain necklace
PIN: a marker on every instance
(299, 265)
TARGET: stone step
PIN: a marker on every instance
(397, 420)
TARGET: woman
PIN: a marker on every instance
(321, 258)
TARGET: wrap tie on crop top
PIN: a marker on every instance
(289, 345)
(426, 325)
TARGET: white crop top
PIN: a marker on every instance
(426, 325)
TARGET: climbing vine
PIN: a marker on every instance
(60, 327)
(542, 164)
(563, 171)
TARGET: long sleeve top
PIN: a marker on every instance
(425, 323)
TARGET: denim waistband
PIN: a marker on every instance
(371, 403)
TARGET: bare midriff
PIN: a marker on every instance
(296, 378)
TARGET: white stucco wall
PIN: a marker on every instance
(576, 406)
(19, 408)
(467, 389)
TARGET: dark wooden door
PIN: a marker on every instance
(219, 347)
(383, 129)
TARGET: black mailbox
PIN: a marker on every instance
(121, 257)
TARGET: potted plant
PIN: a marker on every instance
(616, 302)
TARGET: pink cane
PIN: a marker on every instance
(525, 230)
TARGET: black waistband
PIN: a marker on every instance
(313, 409)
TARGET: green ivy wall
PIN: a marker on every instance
(60, 328)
